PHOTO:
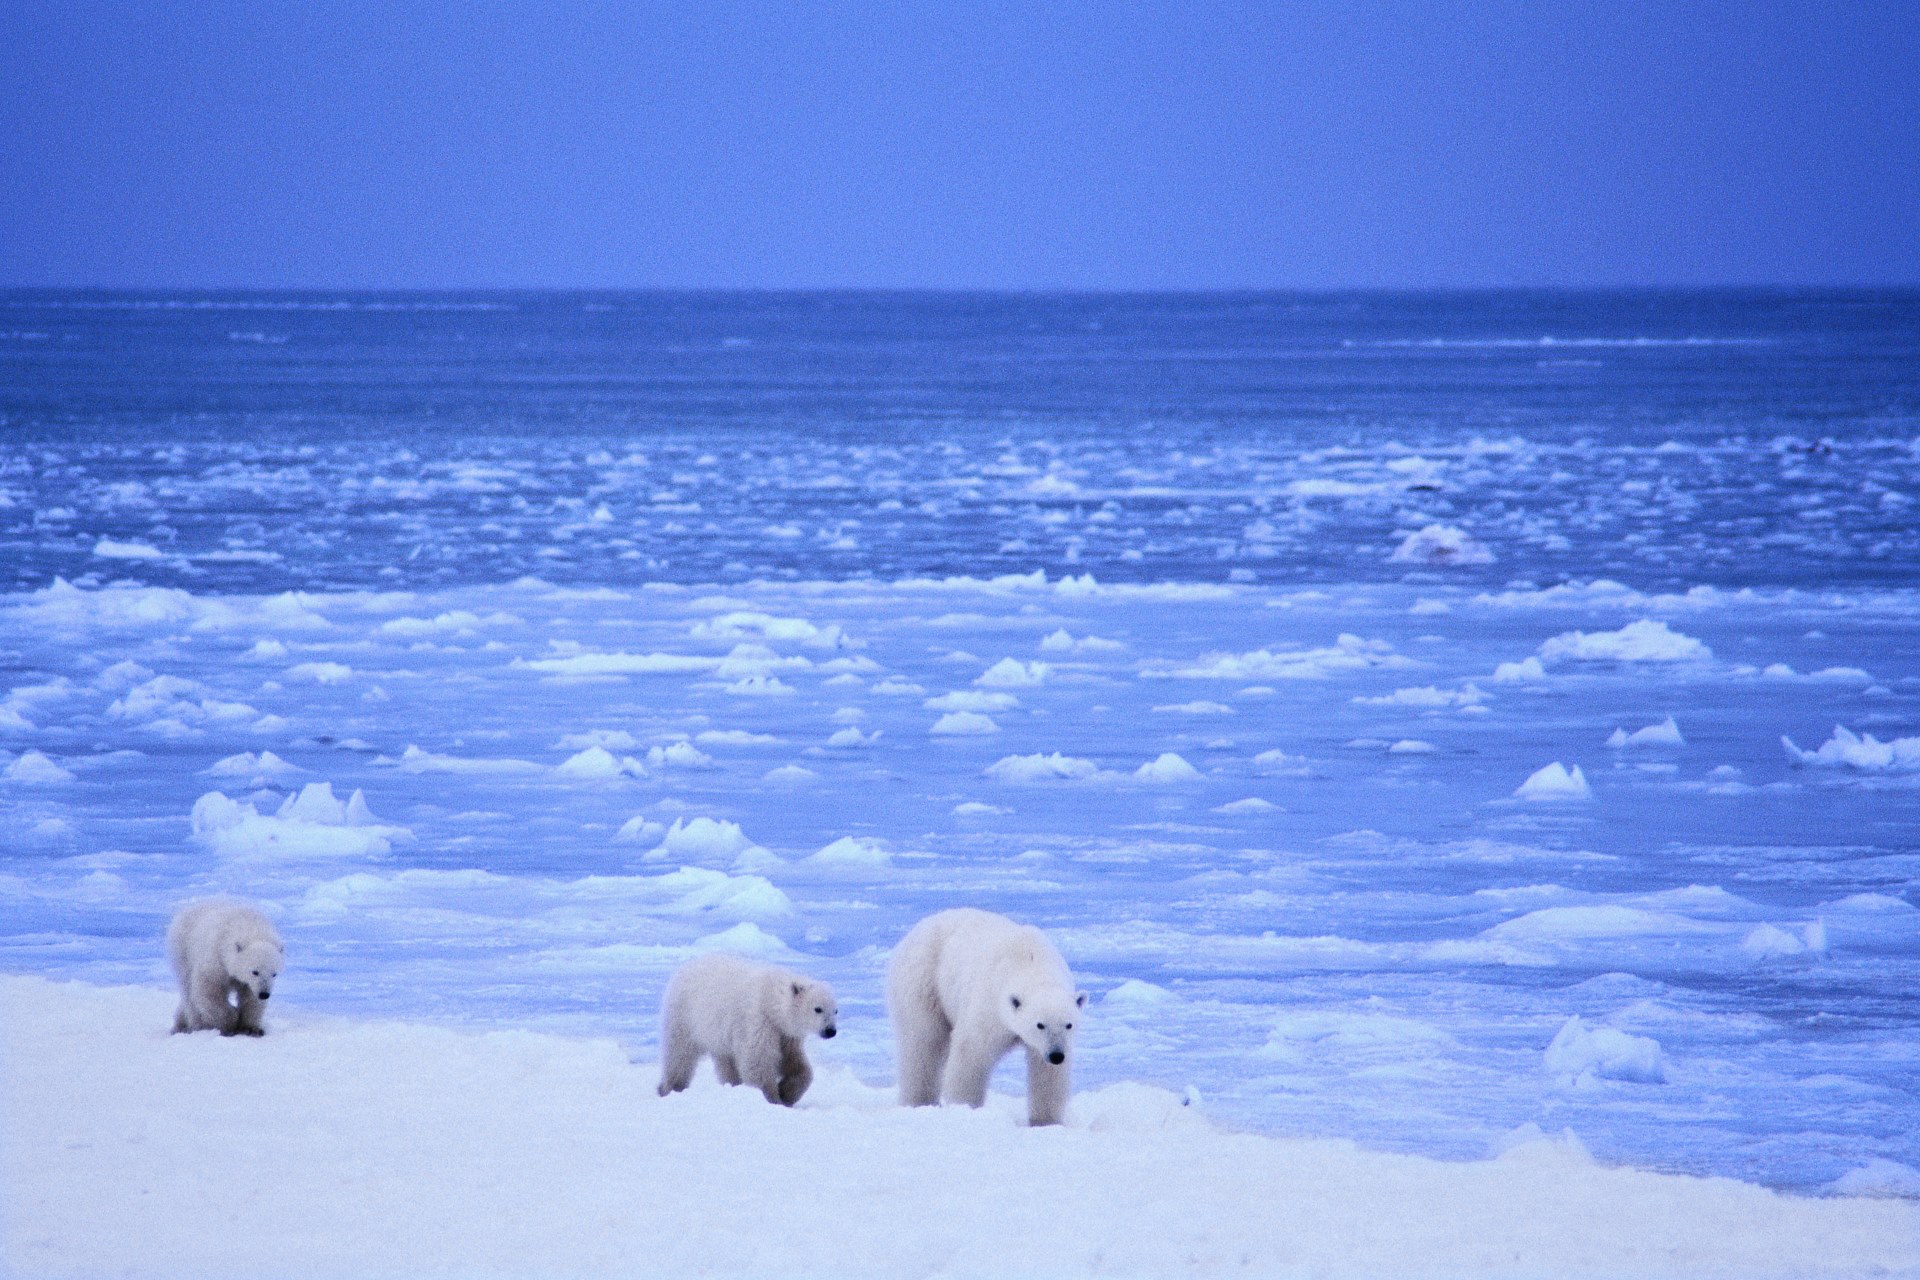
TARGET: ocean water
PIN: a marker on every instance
(1249, 643)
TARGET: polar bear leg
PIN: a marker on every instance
(678, 1059)
(760, 1068)
(247, 1020)
(726, 1068)
(1047, 1089)
(206, 1008)
(970, 1066)
(796, 1073)
(923, 1039)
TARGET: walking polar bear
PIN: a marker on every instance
(753, 1019)
(226, 956)
(964, 987)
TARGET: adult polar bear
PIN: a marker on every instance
(226, 956)
(964, 987)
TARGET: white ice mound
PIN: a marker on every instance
(1879, 1177)
(963, 724)
(313, 824)
(1664, 734)
(1441, 545)
(1771, 942)
(703, 838)
(248, 765)
(1167, 767)
(852, 852)
(1848, 750)
(1041, 768)
(597, 764)
(1642, 641)
(1581, 1054)
(1011, 673)
(109, 549)
(36, 769)
(1132, 1107)
(678, 755)
(1555, 782)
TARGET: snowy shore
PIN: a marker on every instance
(338, 1147)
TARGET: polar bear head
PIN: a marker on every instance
(1043, 1019)
(253, 960)
(811, 1009)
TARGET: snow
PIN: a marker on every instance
(373, 1148)
(1011, 673)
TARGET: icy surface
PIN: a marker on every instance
(510, 654)
(380, 1148)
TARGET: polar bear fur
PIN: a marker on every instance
(226, 956)
(752, 1019)
(964, 987)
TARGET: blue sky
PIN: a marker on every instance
(1196, 145)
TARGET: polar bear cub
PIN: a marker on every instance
(226, 956)
(964, 987)
(752, 1019)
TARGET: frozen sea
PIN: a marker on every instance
(1416, 717)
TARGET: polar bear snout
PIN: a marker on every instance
(829, 1031)
(1056, 1056)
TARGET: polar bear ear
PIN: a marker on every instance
(1016, 1001)
(1079, 999)
(796, 988)
(239, 946)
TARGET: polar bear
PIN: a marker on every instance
(753, 1019)
(965, 986)
(226, 955)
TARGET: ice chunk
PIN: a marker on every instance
(1580, 1054)
(1555, 782)
(36, 769)
(852, 851)
(1441, 545)
(709, 838)
(109, 549)
(963, 724)
(1041, 768)
(1642, 641)
(1846, 749)
(1527, 668)
(599, 764)
(1664, 734)
(1010, 673)
(1167, 767)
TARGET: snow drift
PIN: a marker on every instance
(336, 1148)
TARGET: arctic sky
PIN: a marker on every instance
(976, 145)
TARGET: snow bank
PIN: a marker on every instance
(1642, 641)
(335, 1148)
